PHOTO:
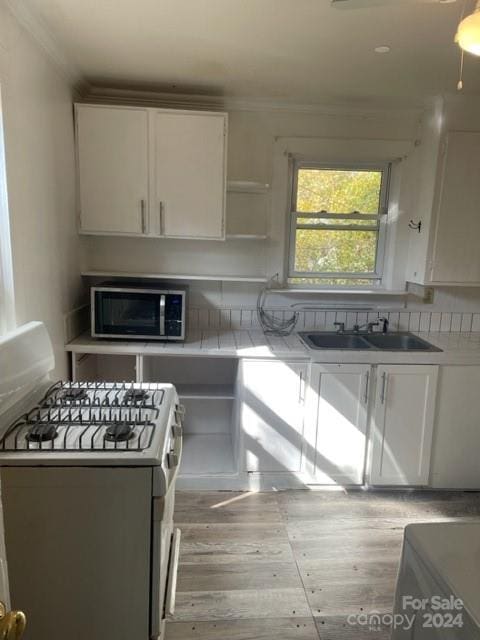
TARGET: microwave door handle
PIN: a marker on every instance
(162, 314)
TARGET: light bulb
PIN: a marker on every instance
(468, 33)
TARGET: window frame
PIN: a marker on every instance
(381, 218)
(7, 294)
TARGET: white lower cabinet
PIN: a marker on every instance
(456, 441)
(271, 414)
(402, 424)
(337, 413)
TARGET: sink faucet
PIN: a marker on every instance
(385, 324)
(368, 325)
(340, 325)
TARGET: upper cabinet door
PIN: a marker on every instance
(112, 148)
(402, 425)
(455, 252)
(189, 181)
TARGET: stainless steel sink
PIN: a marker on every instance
(399, 342)
(325, 340)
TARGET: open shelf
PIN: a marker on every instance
(206, 454)
(343, 292)
(247, 186)
(90, 367)
(206, 391)
(206, 387)
(246, 236)
(172, 276)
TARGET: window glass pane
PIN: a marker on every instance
(338, 191)
(330, 251)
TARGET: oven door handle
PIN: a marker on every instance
(172, 573)
(162, 314)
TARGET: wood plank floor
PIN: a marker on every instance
(294, 565)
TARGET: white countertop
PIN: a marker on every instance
(458, 348)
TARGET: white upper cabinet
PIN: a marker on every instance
(112, 156)
(151, 172)
(402, 425)
(455, 256)
(190, 180)
(337, 410)
(446, 250)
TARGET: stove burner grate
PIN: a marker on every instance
(119, 432)
(73, 394)
(103, 394)
(135, 396)
(41, 433)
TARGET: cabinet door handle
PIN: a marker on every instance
(162, 314)
(383, 394)
(367, 380)
(301, 394)
(160, 215)
(143, 210)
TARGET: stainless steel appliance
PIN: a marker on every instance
(138, 311)
(88, 481)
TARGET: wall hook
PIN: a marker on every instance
(415, 225)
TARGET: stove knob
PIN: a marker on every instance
(172, 460)
(179, 411)
(177, 430)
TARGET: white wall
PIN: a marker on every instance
(37, 109)
(256, 140)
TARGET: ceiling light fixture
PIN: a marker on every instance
(384, 48)
(468, 32)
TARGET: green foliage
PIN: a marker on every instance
(337, 191)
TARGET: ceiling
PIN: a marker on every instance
(296, 50)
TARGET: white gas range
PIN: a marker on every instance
(88, 480)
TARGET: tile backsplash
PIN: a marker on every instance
(323, 320)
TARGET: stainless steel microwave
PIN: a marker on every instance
(138, 312)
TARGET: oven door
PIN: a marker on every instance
(127, 313)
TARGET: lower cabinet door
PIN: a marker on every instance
(337, 408)
(402, 424)
(271, 414)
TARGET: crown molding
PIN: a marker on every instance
(37, 29)
(214, 103)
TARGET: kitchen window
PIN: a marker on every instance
(338, 221)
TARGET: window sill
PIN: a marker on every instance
(345, 292)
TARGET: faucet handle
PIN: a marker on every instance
(385, 324)
(340, 325)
